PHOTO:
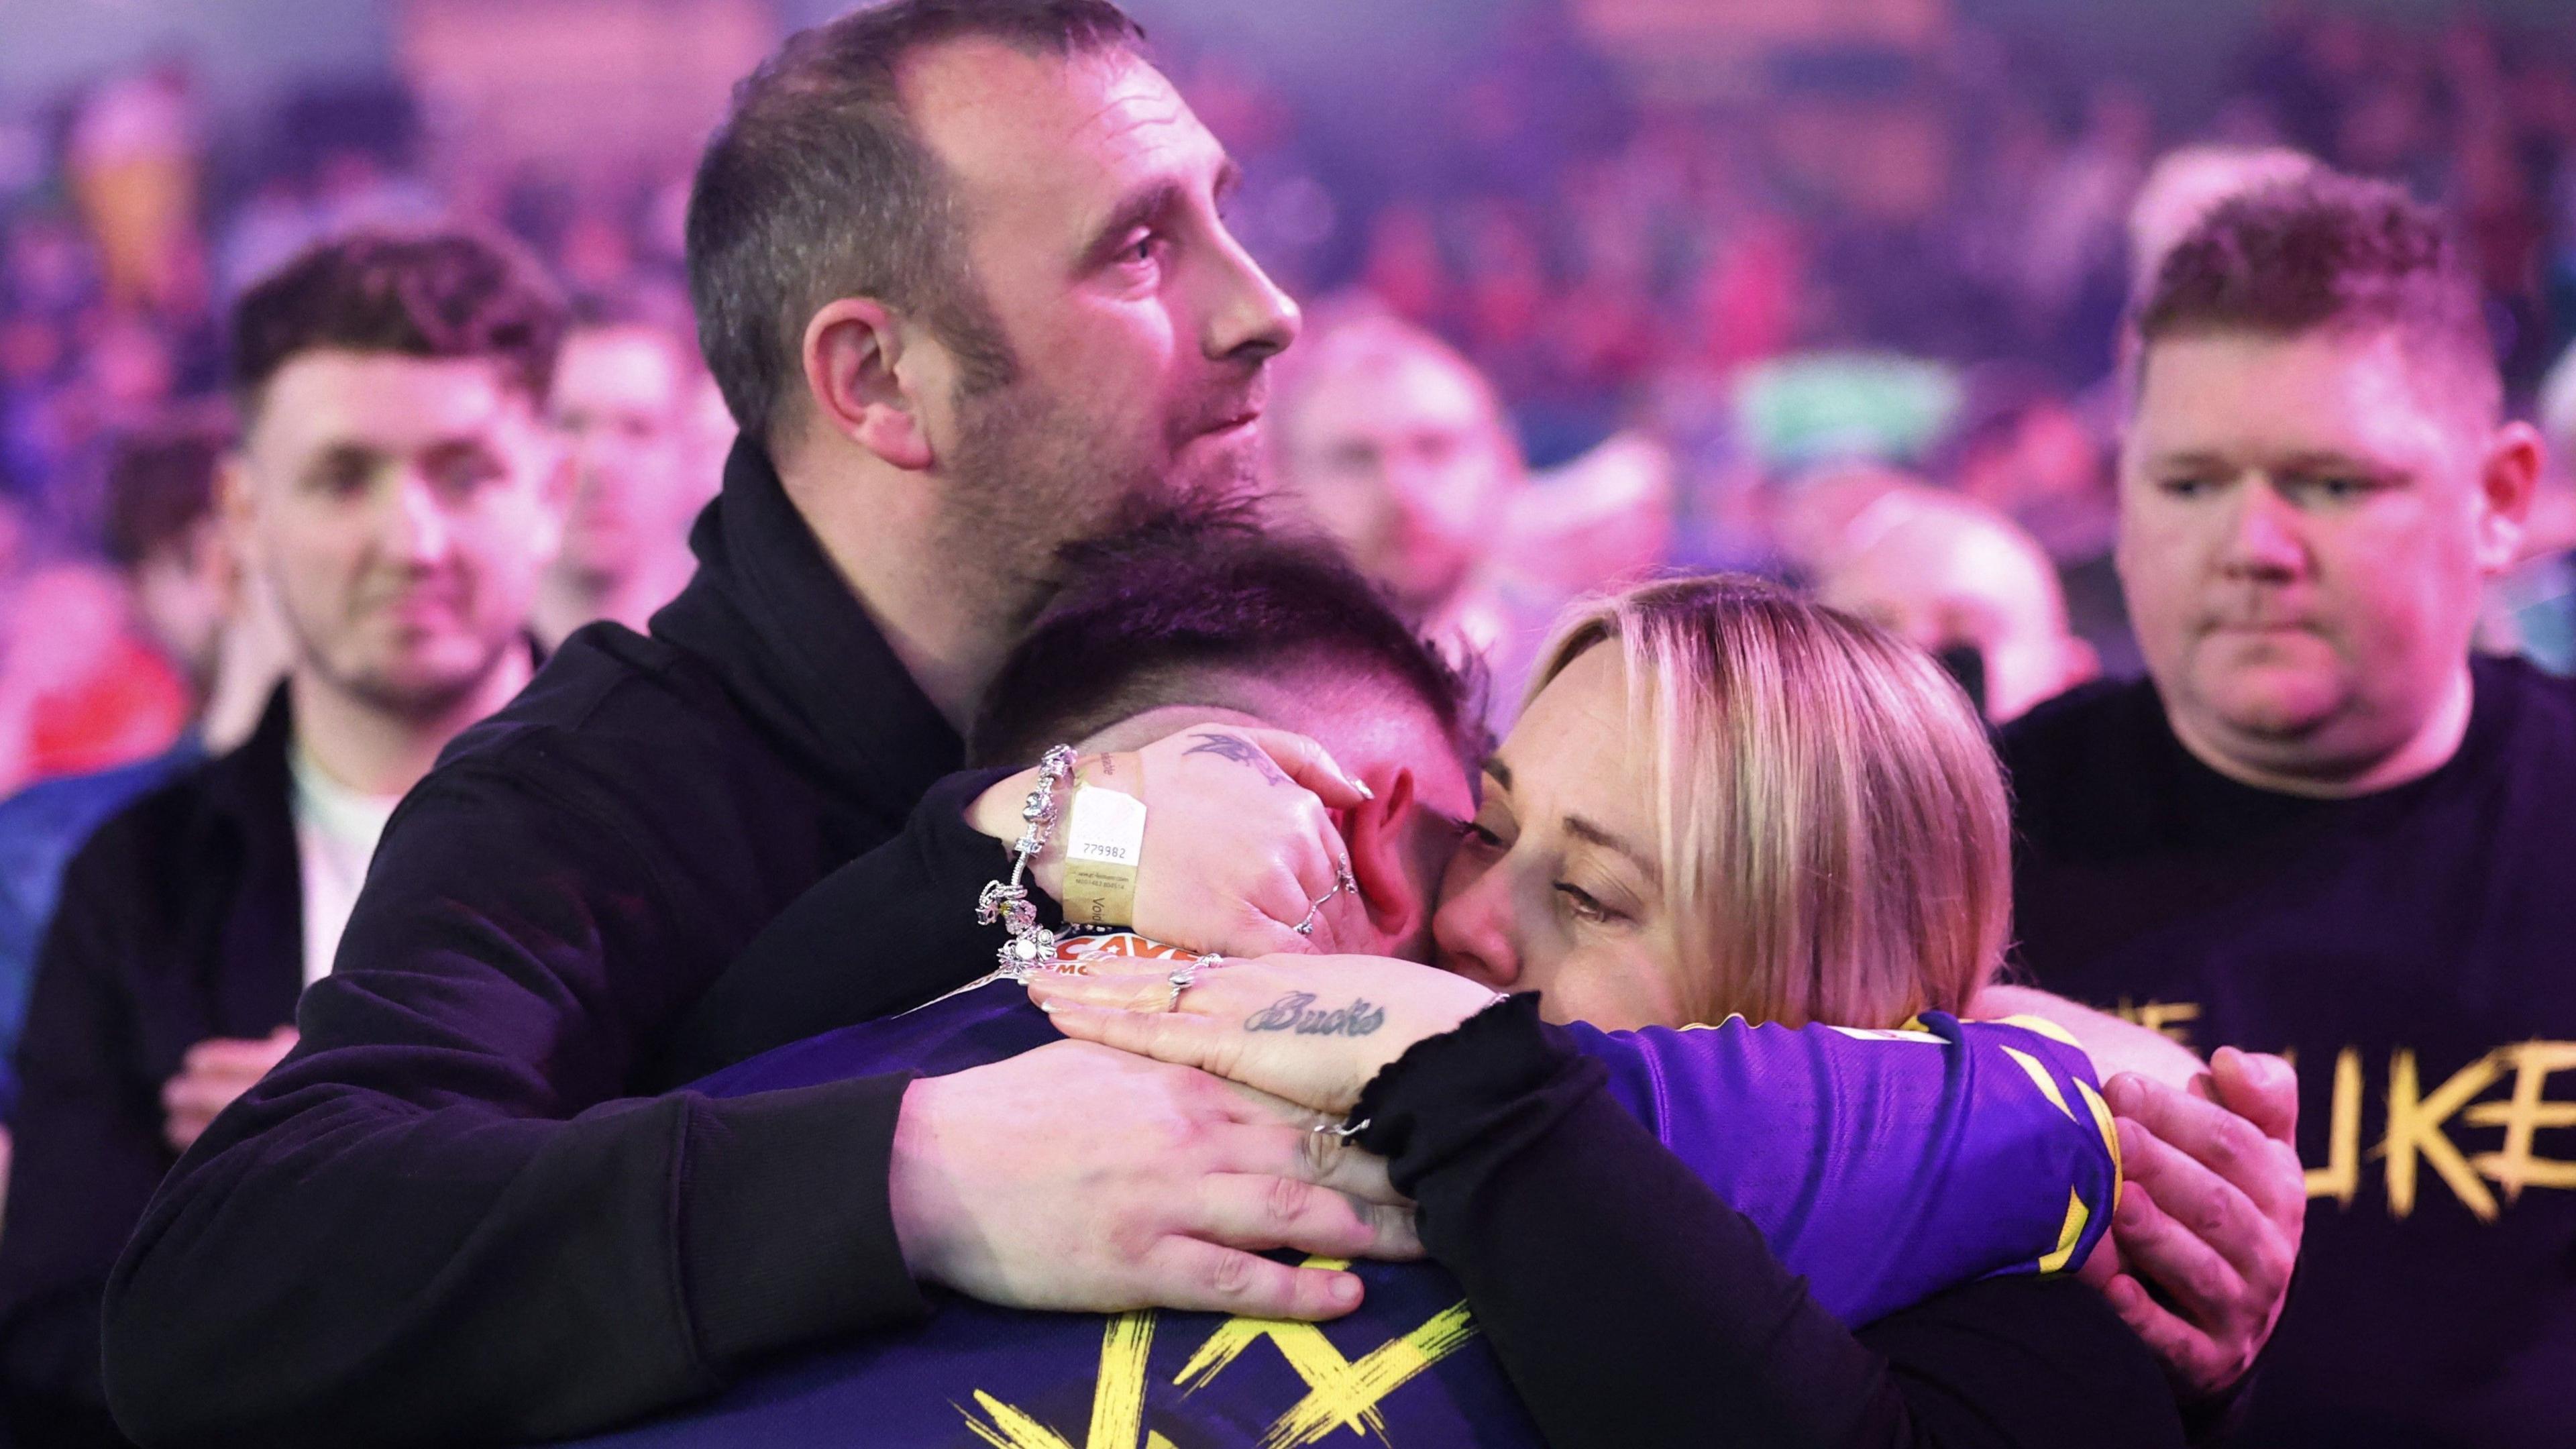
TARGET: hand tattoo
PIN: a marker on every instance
(1239, 750)
(1293, 1012)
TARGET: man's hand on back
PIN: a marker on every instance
(1078, 1177)
(2211, 1214)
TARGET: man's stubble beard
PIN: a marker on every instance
(1028, 482)
(421, 703)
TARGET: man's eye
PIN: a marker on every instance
(465, 475)
(1142, 252)
(1477, 835)
(2343, 490)
(2184, 487)
(342, 481)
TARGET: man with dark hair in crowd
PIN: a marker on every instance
(2322, 825)
(959, 271)
(624, 392)
(396, 490)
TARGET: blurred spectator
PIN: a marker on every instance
(1396, 446)
(187, 597)
(1959, 580)
(1399, 449)
(2023, 448)
(81, 688)
(133, 159)
(397, 490)
(624, 399)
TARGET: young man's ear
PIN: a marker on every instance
(1380, 833)
(858, 382)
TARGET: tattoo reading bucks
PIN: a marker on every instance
(1241, 751)
(1295, 1012)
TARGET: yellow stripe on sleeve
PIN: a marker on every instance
(2039, 1074)
(2068, 1235)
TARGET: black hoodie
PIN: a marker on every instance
(457, 1212)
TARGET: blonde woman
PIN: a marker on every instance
(1719, 804)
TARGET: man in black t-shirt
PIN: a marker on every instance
(2319, 828)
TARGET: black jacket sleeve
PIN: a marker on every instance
(448, 1217)
(1632, 1307)
(794, 980)
(86, 1153)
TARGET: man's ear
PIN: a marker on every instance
(1380, 834)
(2507, 480)
(854, 375)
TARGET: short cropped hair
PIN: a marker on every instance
(818, 186)
(161, 482)
(1144, 618)
(1830, 814)
(440, 294)
(2328, 252)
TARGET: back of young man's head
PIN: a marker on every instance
(1195, 620)
(819, 186)
(2314, 483)
(395, 482)
(1207, 609)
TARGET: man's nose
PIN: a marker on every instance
(2265, 539)
(1473, 932)
(415, 527)
(1249, 318)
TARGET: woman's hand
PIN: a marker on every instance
(1310, 1029)
(1239, 847)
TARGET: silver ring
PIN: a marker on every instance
(1343, 881)
(1181, 977)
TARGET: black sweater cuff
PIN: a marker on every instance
(786, 1230)
(1494, 1083)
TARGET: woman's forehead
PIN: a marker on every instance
(1573, 751)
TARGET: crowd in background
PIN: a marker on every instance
(1710, 279)
(1855, 326)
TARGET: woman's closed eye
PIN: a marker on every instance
(1584, 906)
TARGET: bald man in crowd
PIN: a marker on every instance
(2320, 826)
(1968, 586)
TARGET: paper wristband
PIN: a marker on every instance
(1103, 841)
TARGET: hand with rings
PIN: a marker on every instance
(1310, 1029)
(1241, 850)
(1342, 881)
(1188, 972)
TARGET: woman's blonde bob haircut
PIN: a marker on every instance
(1830, 814)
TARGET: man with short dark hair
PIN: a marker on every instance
(960, 274)
(2322, 825)
(395, 490)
